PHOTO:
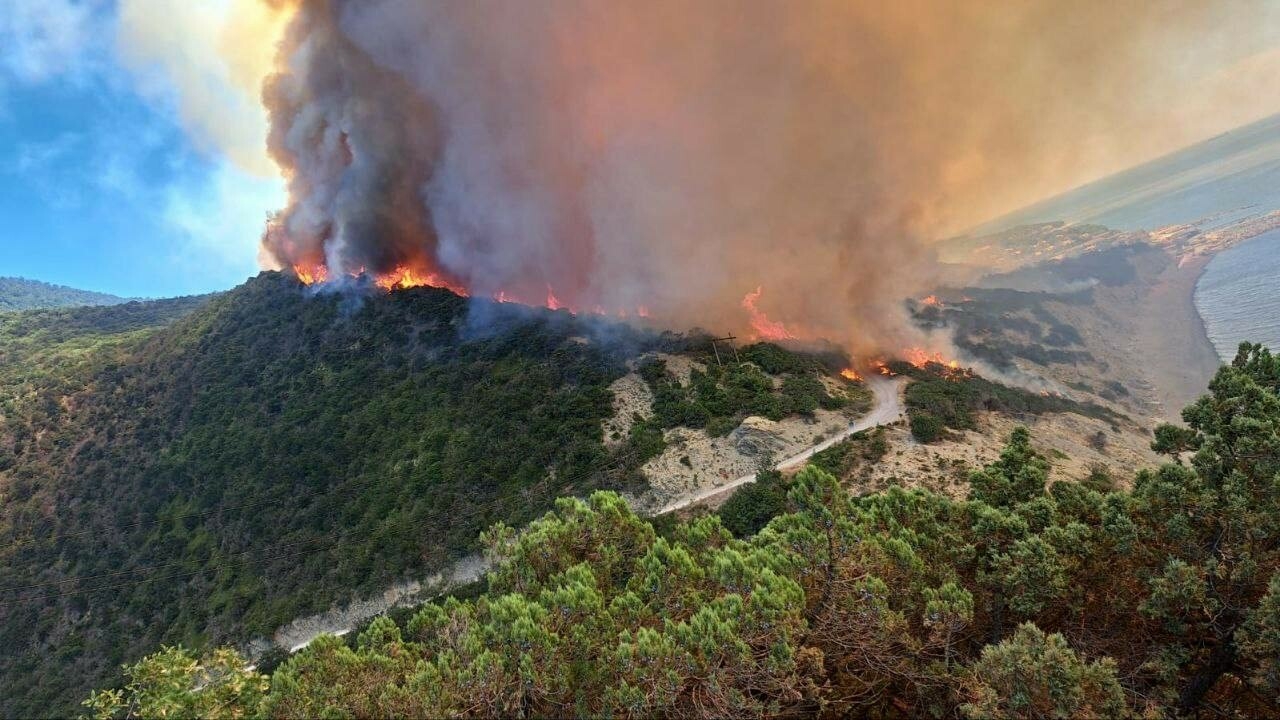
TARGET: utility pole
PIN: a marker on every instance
(729, 339)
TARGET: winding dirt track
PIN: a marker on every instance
(887, 409)
(338, 621)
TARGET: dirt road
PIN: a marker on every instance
(887, 409)
(338, 621)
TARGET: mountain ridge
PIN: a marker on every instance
(18, 293)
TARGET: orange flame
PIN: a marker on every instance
(553, 303)
(921, 357)
(404, 277)
(932, 300)
(765, 328)
(311, 275)
(850, 374)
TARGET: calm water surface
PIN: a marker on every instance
(1239, 295)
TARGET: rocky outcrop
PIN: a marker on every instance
(758, 437)
(631, 397)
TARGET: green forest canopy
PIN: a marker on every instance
(204, 470)
(1019, 601)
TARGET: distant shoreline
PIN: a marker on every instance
(1172, 338)
(1202, 326)
(1235, 325)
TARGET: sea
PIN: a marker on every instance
(1238, 295)
(1211, 183)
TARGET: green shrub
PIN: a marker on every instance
(774, 359)
(753, 505)
(927, 427)
(721, 426)
(653, 370)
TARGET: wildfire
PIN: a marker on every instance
(932, 300)
(311, 275)
(851, 375)
(882, 368)
(765, 328)
(403, 278)
(920, 357)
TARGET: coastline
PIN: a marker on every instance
(1201, 325)
(1172, 337)
(1240, 302)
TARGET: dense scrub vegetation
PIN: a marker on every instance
(1021, 601)
(23, 294)
(719, 397)
(940, 398)
(266, 455)
(205, 470)
(862, 448)
(46, 355)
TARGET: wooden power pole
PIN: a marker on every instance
(729, 339)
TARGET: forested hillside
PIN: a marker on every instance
(280, 449)
(1023, 600)
(23, 294)
(265, 455)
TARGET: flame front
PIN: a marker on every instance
(851, 375)
(553, 302)
(311, 275)
(920, 357)
(405, 277)
(765, 328)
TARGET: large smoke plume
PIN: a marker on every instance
(677, 155)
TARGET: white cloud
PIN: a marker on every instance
(209, 193)
(41, 165)
(46, 39)
(208, 60)
(219, 219)
(41, 157)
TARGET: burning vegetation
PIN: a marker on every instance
(765, 329)
(588, 157)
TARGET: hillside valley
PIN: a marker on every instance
(209, 469)
(263, 466)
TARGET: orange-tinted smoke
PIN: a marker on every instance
(679, 155)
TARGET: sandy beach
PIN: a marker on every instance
(1176, 355)
(1147, 336)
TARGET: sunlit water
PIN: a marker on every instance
(1239, 295)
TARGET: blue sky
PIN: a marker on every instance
(132, 139)
(101, 187)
